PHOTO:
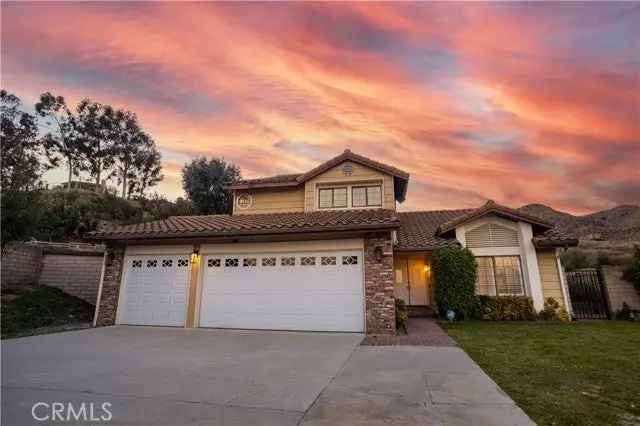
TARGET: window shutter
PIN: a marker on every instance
(491, 235)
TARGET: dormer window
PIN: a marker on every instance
(366, 196)
(332, 198)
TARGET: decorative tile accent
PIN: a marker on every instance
(307, 260)
(249, 262)
(152, 263)
(231, 262)
(268, 261)
(349, 260)
(167, 263)
(183, 263)
(328, 260)
(213, 263)
(136, 264)
(288, 261)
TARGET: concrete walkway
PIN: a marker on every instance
(165, 376)
(413, 385)
(420, 332)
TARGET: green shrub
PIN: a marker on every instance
(402, 316)
(632, 274)
(506, 308)
(455, 275)
(553, 311)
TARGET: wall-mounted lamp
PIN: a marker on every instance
(195, 255)
(378, 253)
(427, 268)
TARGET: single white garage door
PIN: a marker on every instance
(155, 290)
(319, 291)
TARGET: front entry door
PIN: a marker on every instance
(417, 282)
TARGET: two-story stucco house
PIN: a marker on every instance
(322, 250)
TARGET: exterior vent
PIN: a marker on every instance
(491, 235)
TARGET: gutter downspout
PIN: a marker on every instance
(97, 311)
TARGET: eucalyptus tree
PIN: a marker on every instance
(62, 139)
(136, 159)
(97, 138)
(24, 157)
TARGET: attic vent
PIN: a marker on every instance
(491, 235)
(347, 169)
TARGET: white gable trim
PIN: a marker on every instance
(525, 250)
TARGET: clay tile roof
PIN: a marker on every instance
(348, 155)
(491, 207)
(296, 179)
(279, 180)
(554, 238)
(418, 229)
(256, 224)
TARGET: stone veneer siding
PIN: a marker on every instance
(110, 286)
(380, 307)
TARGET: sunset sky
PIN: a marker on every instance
(519, 103)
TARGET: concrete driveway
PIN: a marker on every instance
(223, 377)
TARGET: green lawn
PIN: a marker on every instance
(581, 373)
(36, 310)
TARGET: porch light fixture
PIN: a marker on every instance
(378, 254)
(427, 268)
(195, 255)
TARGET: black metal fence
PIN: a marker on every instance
(587, 293)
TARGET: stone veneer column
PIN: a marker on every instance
(380, 307)
(114, 260)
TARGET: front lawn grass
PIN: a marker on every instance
(27, 310)
(581, 373)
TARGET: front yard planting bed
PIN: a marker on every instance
(40, 310)
(581, 373)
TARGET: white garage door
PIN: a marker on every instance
(155, 290)
(321, 291)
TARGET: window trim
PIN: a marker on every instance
(333, 189)
(366, 195)
(495, 274)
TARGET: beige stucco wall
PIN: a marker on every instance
(550, 276)
(272, 201)
(361, 174)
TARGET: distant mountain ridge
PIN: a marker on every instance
(618, 223)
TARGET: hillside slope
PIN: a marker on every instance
(620, 223)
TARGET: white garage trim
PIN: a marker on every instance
(144, 252)
(350, 300)
(289, 246)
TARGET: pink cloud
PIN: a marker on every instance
(515, 111)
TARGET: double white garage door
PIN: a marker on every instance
(320, 291)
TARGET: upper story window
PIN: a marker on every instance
(332, 198)
(366, 196)
(350, 196)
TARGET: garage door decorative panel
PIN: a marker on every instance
(155, 290)
(284, 291)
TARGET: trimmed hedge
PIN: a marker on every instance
(455, 274)
(506, 308)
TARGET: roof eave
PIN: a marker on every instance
(350, 156)
(263, 185)
(555, 243)
(501, 213)
(240, 233)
